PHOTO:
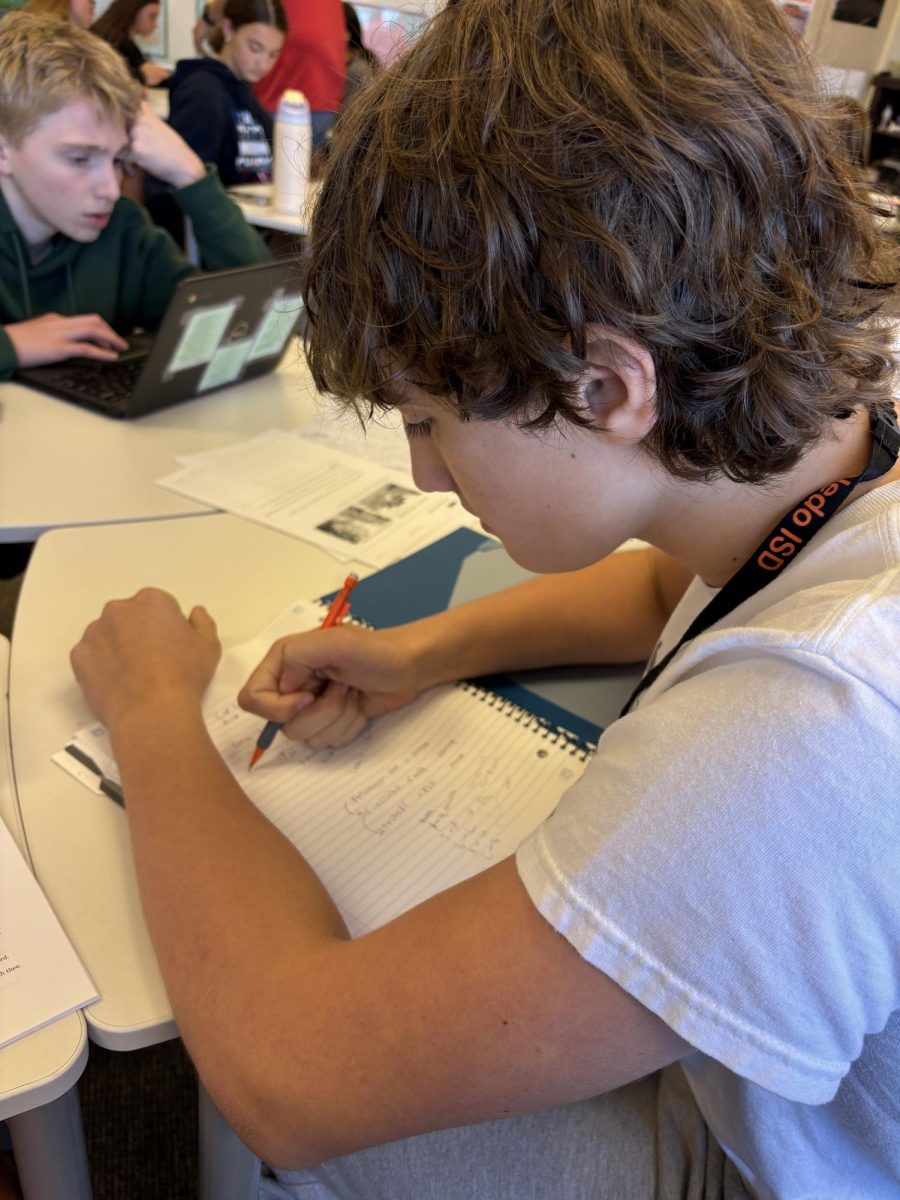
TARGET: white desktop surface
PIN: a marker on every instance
(64, 465)
(41, 1066)
(79, 842)
(255, 202)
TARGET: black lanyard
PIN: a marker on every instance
(794, 531)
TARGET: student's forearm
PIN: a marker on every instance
(217, 883)
(299, 1032)
(611, 612)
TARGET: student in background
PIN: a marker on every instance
(81, 267)
(212, 104)
(213, 107)
(313, 60)
(124, 21)
(79, 12)
(612, 265)
(361, 61)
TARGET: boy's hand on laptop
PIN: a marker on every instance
(52, 338)
(162, 152)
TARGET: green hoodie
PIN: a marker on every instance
(129, 273)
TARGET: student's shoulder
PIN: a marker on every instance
(198, 76)
(130, 229)
(127, 214)
(835, 611)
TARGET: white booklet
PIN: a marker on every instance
(425, 798)
(41, 976)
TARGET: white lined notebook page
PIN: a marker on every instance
(427, 797)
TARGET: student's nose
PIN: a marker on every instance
(429, 471)
(109, 183)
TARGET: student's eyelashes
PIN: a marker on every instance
(416, 429)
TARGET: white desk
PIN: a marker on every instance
(255, 202)
(245, 575)
(63, 465)
(38, 1072)
(158, 99)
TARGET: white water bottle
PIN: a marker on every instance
(291, 152)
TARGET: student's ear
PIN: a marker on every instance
(619, 385)
(227, 29)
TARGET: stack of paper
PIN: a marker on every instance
(355, 509)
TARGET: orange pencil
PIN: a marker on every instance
(337, 611)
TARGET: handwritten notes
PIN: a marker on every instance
(427, 797)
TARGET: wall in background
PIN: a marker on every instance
(851, 45)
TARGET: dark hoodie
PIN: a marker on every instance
(220, 118)
(128, 274)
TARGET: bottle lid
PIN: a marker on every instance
(292, 96)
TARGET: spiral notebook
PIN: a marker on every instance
(425, 798)
(465, 565)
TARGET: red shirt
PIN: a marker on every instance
(314, 56)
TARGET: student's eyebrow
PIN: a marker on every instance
(93, 147)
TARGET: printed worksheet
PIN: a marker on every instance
(354, 509)
(41, 976)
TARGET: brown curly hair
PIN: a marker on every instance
(668, 168)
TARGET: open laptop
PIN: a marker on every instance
(219, 329)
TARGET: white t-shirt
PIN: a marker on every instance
(731, 858)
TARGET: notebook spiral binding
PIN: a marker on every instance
(556, 735)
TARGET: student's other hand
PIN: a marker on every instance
(206, 25)
(162, 152)
(324, 686)
(154, 74)
(52, 338)
(142, 654)
(199, 34)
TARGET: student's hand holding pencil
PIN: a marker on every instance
(324, 686)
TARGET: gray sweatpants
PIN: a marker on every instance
(646, 1141)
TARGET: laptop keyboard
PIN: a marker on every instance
(106, 384)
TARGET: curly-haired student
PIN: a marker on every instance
(610, 261)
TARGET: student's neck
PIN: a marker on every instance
(714, 529)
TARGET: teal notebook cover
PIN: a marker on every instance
(463, 566)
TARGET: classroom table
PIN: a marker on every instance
(65, 465)
(158, 99)
(245, 574)
(38, 1072)
(255, 202)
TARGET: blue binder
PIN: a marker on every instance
(462, 566)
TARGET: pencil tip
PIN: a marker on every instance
(255, 757)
